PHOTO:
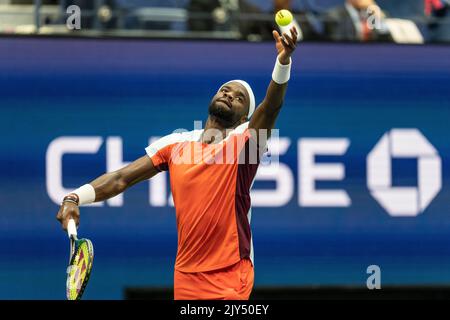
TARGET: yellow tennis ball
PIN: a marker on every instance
(283, 18)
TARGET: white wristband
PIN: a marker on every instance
(281, 72)
(86, 194)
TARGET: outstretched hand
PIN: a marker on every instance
(285, 44)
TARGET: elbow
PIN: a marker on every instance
(120, 184)
(275, 110)
(279, 106)
(272, 108)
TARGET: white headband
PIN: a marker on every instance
(251, 107)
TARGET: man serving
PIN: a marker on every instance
(211, 174)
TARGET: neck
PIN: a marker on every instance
(213, 124)
(361, 5)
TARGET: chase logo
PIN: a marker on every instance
(404, 201)
(397, 201)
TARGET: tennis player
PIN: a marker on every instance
(211, 174)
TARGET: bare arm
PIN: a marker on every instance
(267, 112)
(109, 185)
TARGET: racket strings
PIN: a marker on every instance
(79, 269)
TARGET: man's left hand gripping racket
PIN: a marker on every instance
(80, 263)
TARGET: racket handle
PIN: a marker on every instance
(71, 228)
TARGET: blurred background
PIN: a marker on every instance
(410, 21)
(85, 86)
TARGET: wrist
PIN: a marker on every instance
(282, 70)
(284, 60)
(81, 196)
(72, 198)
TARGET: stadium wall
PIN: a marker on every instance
(74, 108)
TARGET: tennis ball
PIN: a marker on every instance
(283, 17)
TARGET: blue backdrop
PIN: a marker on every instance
(136, 89)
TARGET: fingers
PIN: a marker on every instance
(284, 40)
(276, 35)
(294, 34)
(60, 216)
(67, 212)
(288, 41)
(64, 224)
(63, 218)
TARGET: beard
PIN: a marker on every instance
(224, 115)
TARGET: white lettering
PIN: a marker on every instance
(54, 171)
(309, 172)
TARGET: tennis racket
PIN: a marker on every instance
(80, 263)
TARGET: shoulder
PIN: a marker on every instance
(172, 139)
